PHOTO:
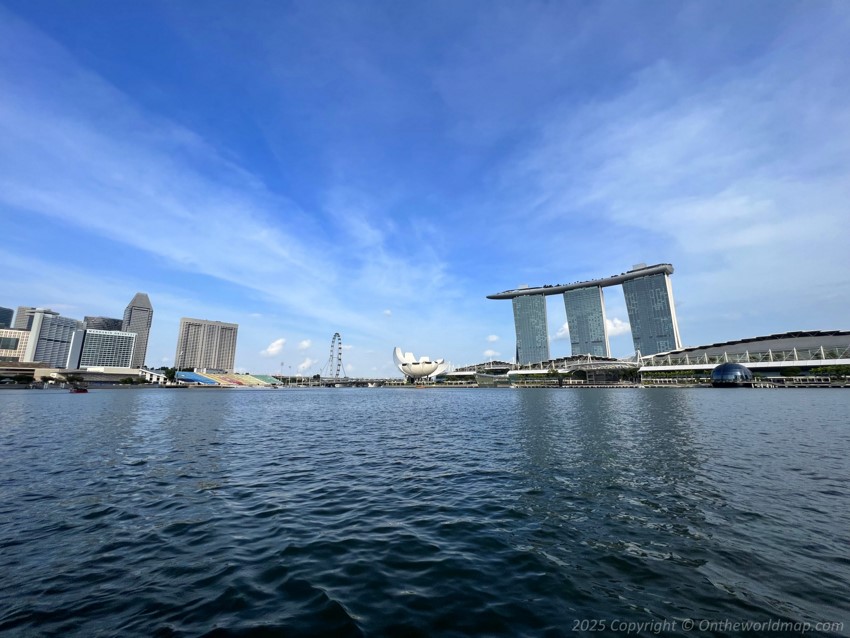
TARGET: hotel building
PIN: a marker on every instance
(107, 348)
(206, 344)
(50, 337)
(586, 320)
(649, 302)
(532, 340)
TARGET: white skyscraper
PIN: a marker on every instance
(50, 337)
(206, 344)
(108, 348)
(137, 318)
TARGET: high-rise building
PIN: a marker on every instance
(652, 315)
(206, 344)
(586, 319)
(50, 337)
(137, 318)
(108, 348)
(532, 334)
(649, 301)
(23, 318)
(6, 315)
(102, 323)
(13, 344)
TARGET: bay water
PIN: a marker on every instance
(440, 512)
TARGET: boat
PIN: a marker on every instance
(78, 390)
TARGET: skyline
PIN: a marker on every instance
(377, 169)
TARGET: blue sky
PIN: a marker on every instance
(377, 168)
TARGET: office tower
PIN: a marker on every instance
(102, 323)
(206, 344)
(137, 318)
(23, 318)
(586, 318)
(108, 348)
(652, 315)
(532, 333)
(13, 344)
(50, 337)
(6, 315)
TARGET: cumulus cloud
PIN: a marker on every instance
(306, 364)
(492, 338)
(274, 348)
(491, 353)
(617, 327)
(563, 332)
(303, 345)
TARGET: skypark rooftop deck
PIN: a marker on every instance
(614, 280)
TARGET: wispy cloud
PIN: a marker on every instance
(305, 344)
(531, 146)
(492, 338)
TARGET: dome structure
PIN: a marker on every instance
(414, 369)
(731, 375)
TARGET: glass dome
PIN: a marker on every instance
(731, 374)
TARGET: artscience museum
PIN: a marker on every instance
(415, 369)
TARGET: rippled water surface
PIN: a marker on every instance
(404, 512)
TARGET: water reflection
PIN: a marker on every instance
(418, 512)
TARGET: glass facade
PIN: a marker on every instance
(50, 338)
(731, 375)
(6, 315)
(138, 316)
(107, 348)
(102, 323)
(652, 315)
(532, 333)
(586, 318)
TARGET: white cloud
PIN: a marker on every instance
(492, 338)
(274, 348)
(491, 353)
(306, 364)
(617, 327)
(563, 332)
(303, 345)
(388, 313)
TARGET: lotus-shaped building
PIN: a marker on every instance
(414, 369)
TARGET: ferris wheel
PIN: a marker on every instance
(334, 365)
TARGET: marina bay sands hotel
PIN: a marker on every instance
(649, 301)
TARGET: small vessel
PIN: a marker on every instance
(77, 389)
